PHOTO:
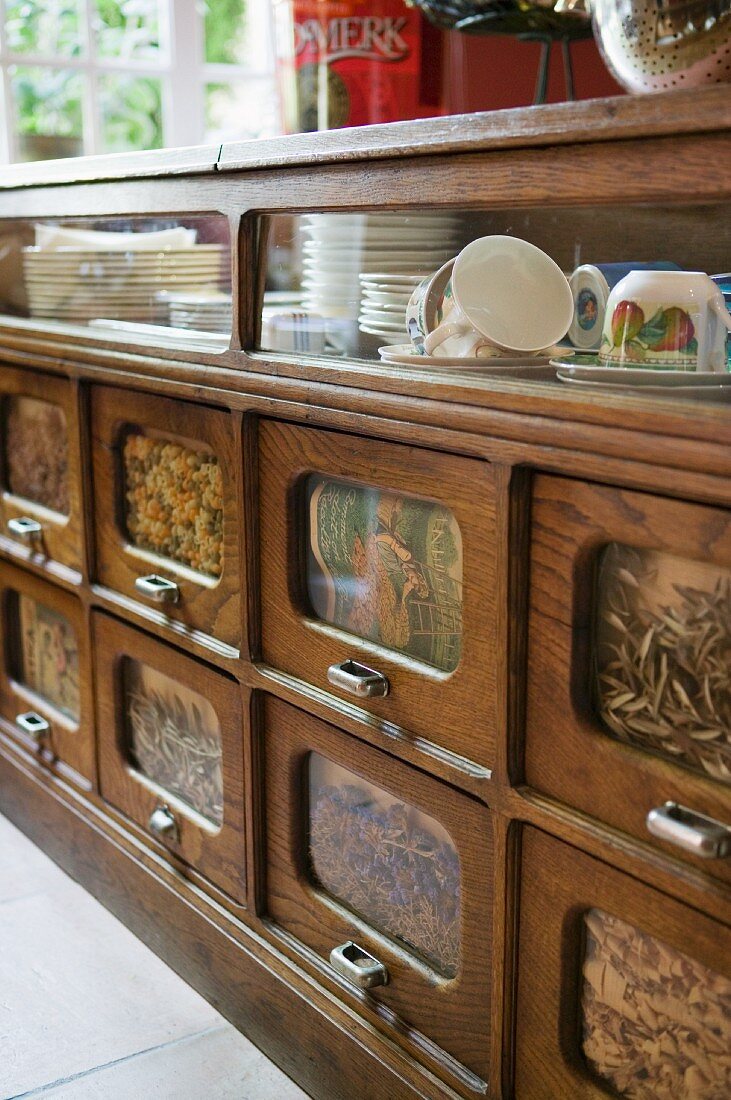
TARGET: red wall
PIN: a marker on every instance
(490, 72)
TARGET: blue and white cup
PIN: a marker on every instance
(590, 285)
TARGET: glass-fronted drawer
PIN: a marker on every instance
(377, 565)
(165, 508)
(367, 855)
(45, 673)
(622, 991)
(40, 502)
(629, 669)
(171, 750)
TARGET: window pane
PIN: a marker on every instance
(225, 32)
(240, 110)
(131, 113)
(48, 112)
(49, 656)
(51, 28)
(127, 28)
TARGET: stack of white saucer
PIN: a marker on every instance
(339, 248)
(383, 302)
(206, 312)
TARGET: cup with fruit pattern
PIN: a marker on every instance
(666, 320)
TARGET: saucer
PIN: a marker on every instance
(586, 368)
(405, 355)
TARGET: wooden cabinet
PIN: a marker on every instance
(363, 849)
(380, 557)
(170, 754)
(166, 524)
(629, 697)
(40, 499)
(45, 672)
(621, 991)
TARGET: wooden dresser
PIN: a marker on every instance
(349, 686)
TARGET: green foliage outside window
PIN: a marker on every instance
(224, 25)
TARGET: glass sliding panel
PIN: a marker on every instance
(127, 28)
(47, 28)
(36, 452)
(663, 656)
(174, 739)
(48, 112)
(49, 656)
(386, 567)
(655, 1023)
(131, 113)
(389, 862)
(174, 498)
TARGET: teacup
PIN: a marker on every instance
(590, 285)
(666, 320)
(426, 308)
(506, 294)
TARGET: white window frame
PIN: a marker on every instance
(180, 67)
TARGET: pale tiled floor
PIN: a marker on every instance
(87, 1012)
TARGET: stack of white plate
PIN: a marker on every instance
(383, 302)
(338, 248)
(73, 284)
(206, 312)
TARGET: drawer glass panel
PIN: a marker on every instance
(387, 567)
(36, 451)
(663, 656)
(394, 865)
(174, 501)
(174, 739)
(48, 656)
(655, 1022)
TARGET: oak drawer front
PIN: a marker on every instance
(40, 502)
(382, 556)
(45, 671)
(622, 991)
(361, 847)
(629, 666)
(171, 750)
(165, 508)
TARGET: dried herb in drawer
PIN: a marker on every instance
(175, 739)
(36, 452)
(389, 862)
(663, 654)
(174, 498)
(656, 1023)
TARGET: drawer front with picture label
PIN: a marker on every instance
(622, 991)
(378, 566)
(165, 505)
(629, 666)
(40, 499)
(170, 750)
(45, 677)
(381, 869)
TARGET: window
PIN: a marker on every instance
(108, 76)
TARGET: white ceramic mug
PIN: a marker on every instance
(508, 295)
(666, 320)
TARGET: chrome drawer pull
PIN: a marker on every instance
(25, 528)
(358, 966)
(162, 822)
(158, 589)
(693, 832)
(34, 724)
(358, 680)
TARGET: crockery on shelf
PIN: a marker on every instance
(590, 285)
(425, 309)
(408, 355)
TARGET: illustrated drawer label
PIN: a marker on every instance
(387, 567)
(663, 656)
(36, 452)
(656, 1023)
(49, 656)
(391, 863)
(174, 501)
(174, 739)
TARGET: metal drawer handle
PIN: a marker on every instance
(358, 680)
(162, 822)
(25, 528)
(358, 966)
(693, 832)
(158, 589)
(34, 724)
